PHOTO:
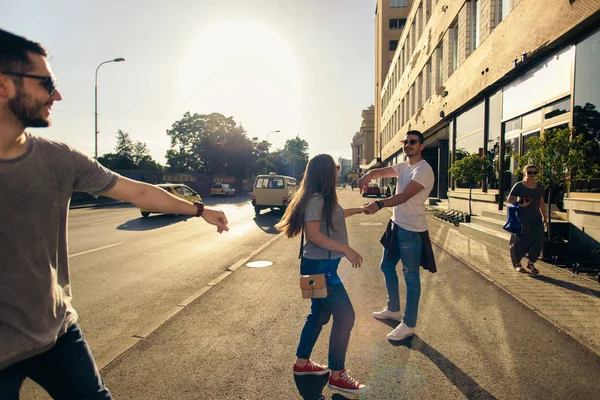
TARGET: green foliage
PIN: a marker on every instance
(211, 144)
(129, 155)
(470, 169)
(559, 155)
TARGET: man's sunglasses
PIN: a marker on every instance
(47, 81)
(411, 141)
(532, 172)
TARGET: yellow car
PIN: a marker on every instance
(176, 189)
(272, 191)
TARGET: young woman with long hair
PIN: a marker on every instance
(315, 209)
(531, 211)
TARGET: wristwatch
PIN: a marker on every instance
(380, 204)
(200, 208)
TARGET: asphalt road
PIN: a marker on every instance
(238, 339)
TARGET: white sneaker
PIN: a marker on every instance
(387, 314)
(401, 332)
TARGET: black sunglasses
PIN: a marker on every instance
(532, 172)
(47, 81)
(411, 141)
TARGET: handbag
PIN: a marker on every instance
(312, 286)
(513, 223)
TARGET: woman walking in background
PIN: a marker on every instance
(315, 209)
(530, 195)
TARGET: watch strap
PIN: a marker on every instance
(379, 203)
(200, 208)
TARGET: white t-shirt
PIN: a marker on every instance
(411, 215)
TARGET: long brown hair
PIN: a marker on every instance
(320, 177)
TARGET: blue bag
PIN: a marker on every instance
(513, 223)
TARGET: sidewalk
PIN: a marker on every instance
(569, 302)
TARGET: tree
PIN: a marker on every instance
(470, 169)
(559, 155)
(211, 144)
(129, 155)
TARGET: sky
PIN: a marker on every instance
(303, 67)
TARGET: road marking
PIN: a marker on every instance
(99, 248)
(108, 222)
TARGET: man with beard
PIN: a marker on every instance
(406, 237)
(39, 334)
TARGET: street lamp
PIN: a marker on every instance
(267, 157)
(96, 104)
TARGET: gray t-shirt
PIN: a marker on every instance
(532, 211)
(315, 212)
(35, 291)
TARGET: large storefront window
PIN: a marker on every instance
(469, 135)
(493, 140)
(586, 118)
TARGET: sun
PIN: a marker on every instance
(241, 69)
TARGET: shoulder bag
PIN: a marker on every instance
(312, 286)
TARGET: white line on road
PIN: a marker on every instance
(99, 248)
(108, 222)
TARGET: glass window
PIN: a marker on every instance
(505, 7)
(558, 108)
(440, 65)
(393, 45)
(454, 55)
(526, 136)
(493, 141)
(512, 125)
(532, 119)
(511, 148)
(549, 80)
(586, 110)
(469, 134)
(398, 3)
(475, 22)
(429, 85)
(397, 23)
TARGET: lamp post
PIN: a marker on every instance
(267, 157)
(96, 104)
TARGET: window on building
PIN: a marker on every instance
(402, 117)
(475, 24)
(393, 45)
(419, 90)
(454, 55)
(440, 65)
(397, 23)
(420, 20)
(586, 109)
(493, 174)
(469, 135)
(429, 84)
(413, 36)
(504, 8)
(427, 10)
(398, 3)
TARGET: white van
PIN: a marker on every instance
(272, 191)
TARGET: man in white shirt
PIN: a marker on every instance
(415, 181)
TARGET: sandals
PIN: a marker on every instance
(532, 268)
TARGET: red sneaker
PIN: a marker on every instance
(311, 368)
(346, 384)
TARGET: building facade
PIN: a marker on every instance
(390, 22)
(357, 152)
(480, 77)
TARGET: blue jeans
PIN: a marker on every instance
(410, 246)
(337, 303)
(66, 371)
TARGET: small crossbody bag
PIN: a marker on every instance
(312, 286)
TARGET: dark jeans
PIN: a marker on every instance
(337, 303)
(66, 371)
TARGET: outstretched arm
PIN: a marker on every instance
(387, 172)
(348, 212)
(411, 189)
(314, 234)
(151, 197)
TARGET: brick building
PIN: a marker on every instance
(481, 76)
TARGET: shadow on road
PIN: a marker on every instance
(311, 387)
(152, 222)
(567, 285)
(267, 220)
(461, 380)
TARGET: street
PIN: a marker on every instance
(238, 339)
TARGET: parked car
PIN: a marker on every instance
(176, 189)
(221, 189)
(272, 191)
(372, 189)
